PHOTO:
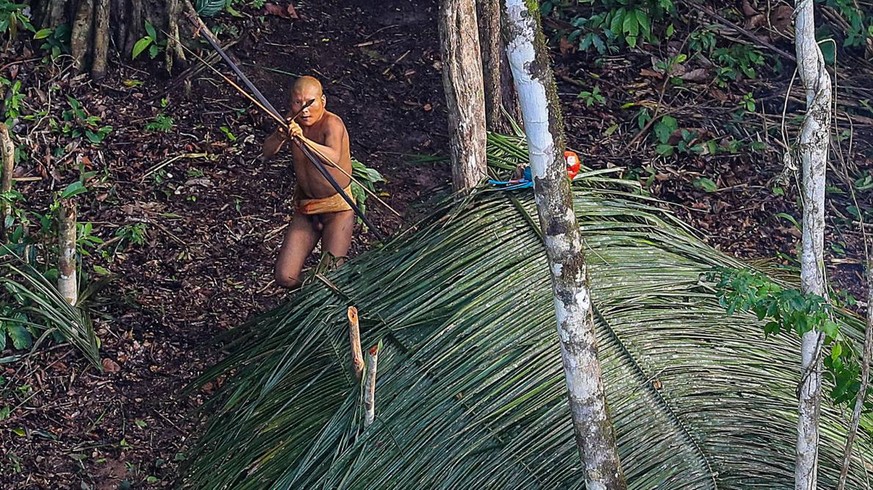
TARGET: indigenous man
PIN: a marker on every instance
(319, 212)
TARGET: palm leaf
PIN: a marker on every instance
(41, 300)
(471, 390)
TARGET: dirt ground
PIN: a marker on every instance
(215, 216)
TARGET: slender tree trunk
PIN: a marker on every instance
(101, 40)
(67, 281)
(813, 148)
(537, 93)
(462, 82)
(7, 151)
(499, 93)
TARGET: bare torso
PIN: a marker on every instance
(328, 131)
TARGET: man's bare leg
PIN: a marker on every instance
(336, 238)
(300, 239)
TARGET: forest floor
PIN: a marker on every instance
(213, 215)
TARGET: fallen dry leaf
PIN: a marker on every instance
(286, 12)
(110, 366)
(697, 75)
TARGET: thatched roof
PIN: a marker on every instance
(470, 387)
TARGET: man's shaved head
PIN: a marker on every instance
(307, 88)
(306, 84)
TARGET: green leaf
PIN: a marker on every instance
(630, 27)
(74, 189)
(836, 350)
(665, 150)
(617, 21)
(705, 184)
(153, 51)
(150, 29)
(4, 412)
(643, 21)
(208, 8)
(43, 33)
(21, 338)
(140, 46)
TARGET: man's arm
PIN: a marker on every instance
(273, 144)
(334, 144)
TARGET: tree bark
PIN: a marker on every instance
(7, 150)
(462, 82)
(67, 281)
(813, 148)
(101, 40)
(80, 37)
(500, 98)
(537, 93)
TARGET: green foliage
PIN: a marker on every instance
(736, 61)
(161, 123)
(208, 8)
(14, 17)
(368, 177)
(12, 103)
(612, 24)
(132, 234)
(791, 310)
(76, 122)
(859, 21)
(150, 41)
(593, 97)
(14, 328)
(37, 304)
(55, 41)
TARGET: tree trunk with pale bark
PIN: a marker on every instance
(465, 99)
(537, 93)
(813, 152)
(68, 284)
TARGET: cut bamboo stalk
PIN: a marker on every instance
(370, 386)
(8, 153)
(355, 342)
(67, 281)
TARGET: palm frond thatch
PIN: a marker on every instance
(471, 392)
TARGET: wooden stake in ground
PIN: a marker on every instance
(7, 151)
(355, 343)
(370, 385)
(462, 84)
(67, 281)
(543, 124)
(813, 150)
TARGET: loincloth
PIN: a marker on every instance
(330, 204)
